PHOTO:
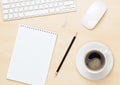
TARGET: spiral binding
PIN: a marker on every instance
(36, 28)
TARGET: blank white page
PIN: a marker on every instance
(31, 55)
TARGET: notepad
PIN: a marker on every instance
(31, 55)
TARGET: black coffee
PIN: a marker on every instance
(95, 60)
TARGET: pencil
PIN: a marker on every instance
(61, 63)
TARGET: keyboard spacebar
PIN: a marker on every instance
(36, 12)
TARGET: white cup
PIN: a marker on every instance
(94, 61)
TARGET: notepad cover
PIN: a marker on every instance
(31, 55)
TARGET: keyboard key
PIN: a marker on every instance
(5, 11)
(6, 6)
(5, 16)
(4, 1)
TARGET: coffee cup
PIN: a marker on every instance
(94, 61)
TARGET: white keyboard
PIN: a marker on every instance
(18, 9)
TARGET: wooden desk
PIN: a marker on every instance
(66, 25)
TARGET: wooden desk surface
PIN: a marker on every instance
(66, 25)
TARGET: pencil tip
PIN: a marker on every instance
(56, 73)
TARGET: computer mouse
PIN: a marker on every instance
(94, 14)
